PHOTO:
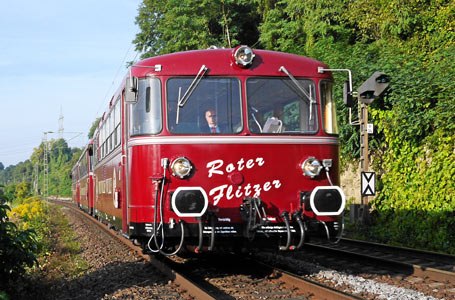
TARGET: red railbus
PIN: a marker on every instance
(75, 188)
(220, 148)
(82, 180)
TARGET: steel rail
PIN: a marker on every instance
(386, 258)
(315, 289)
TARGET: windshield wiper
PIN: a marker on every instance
(182, 101)
(298, 85)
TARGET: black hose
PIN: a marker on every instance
(285, 217)
(212, 234)
(199, 247)
(155, 215)
(302, 231)
(251, 222)
(182, 228)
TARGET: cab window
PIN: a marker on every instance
(279, 106)
(215, 99)
(145, 114)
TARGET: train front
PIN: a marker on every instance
(230, 148)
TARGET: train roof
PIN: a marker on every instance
(220, 62)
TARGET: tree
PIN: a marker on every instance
(3, 198)
(295, 26)
(93, 128)
(22, 190)
(60, 160)
(2, 167)
(170, 26)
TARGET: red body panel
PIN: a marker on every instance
(269, 168)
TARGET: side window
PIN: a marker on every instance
(96, 151)
(108, 133)
(328, 108)
(145, 114)
(118, 116)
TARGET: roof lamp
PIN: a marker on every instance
(243, 56)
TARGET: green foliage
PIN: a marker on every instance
(22, 190)
(33, 213)
(170, 26)
(7, 192)
(431, 230)
(21, 172)
(3, 198)
(422, 197)
(4, 296)
(94, 126)
(17, 249)
(424, 22)
(66, 248)
(27, 177)
(295, 26)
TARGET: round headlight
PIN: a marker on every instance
(181, 167)
(243, 56)
(311, 167)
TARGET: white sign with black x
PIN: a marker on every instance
(368, 184)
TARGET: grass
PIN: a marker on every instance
(63, 259)
(59, 257)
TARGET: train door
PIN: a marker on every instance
(123, 177)
(90, 185)
(78, 187)
(95, 158)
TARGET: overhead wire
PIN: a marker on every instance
(109, 89)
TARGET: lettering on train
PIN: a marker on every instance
(249, 189)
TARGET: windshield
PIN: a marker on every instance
(278, 106)
(213, 106)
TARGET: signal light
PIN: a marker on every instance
(348, 98)
(374, 87)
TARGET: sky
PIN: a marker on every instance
(59, 58)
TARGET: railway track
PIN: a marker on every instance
(217, 277)
(229, 276)
(431, 265)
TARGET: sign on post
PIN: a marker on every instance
(370, 128)
(368, 183)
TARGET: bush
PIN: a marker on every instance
(17, 249)
(32, 213)
(417, 201)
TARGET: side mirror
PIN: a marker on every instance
(131, 90)
(90, 150)
(348, 99)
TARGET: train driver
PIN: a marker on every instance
(212, 126)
